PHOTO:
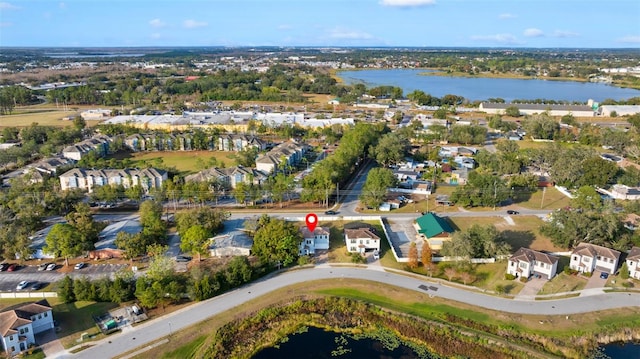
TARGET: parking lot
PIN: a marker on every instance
(30, 273)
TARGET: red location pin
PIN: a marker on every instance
(312, 221)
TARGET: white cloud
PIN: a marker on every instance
(533, 32)
(8, 6)
(407, 3)
(506, 16)
(632, 39)
(342, 33)
(157, 23)
(192, 24)
(500, 38)
(562, 33)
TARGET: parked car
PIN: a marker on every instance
(512, 212)
(376, 255)
(80, 265)
(51, 266)
(4, 266)
(330, 212)
(13, 267)
(43, 266)
(183, 259)
(22, 285)
(604, 275)
(36, 286)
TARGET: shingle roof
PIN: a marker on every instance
(306, 233)
(432, 225)
(529, 255)
(13, 319)
(592, 250)
(634, 254)
(360, 233)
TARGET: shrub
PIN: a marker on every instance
(509, 276)
(500, 289)
(627, 284)
(524, 279)
(587, 274)
(624, 271)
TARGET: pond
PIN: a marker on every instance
(480, 88)
(319, 344)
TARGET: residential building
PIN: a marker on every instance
(361, 240)
(631, 222)
(318, 239)
(285, 154)
(620, 191)
(587, 258)
(229, 177)
(533, 108)
(433, 229)
(239, 142)
(18, 326)
(87, 179)
(633, 263)
(99, 144)
(235, 243)
(526, 262)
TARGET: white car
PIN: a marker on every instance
(22, 285)
(376, 255)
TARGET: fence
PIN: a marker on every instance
(28, 295)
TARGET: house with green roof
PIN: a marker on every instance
(433, 229)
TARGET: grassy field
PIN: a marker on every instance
(550, 198)
(387, 296)
(184, 161)
(563, 283)
(491, 275)
(45, 118)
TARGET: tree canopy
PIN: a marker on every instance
(276, 240)
(476, 242)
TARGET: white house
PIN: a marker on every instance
(87, 179)
(526, 262)
(633, 262)
(318, 239)
(360, 240)
(19, 325)
(587, 258)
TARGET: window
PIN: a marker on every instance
(353, 241)
(367, 241)
(46, 314)
(352, 249)
(513, 264)
(523, 265)
(13, 349)
(361, 241)
(39, 316)
(586, 260)
(575, 258)
(11, 338)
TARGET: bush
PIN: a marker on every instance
(627, 284)
(500, 289)
(587, 274)
(624, 271)
(509, 276)
(524, 279)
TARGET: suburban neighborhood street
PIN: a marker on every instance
(117, 344)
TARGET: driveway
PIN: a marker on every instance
(595, 282)
(531, 288)
(49, 342)
(402, 233)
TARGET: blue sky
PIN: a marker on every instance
(469, 23)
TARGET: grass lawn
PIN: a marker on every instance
(76, 318)
(563, 283)
(491, 275)
(553, 199)
(45, 118)
(338, 249)
(184, 161)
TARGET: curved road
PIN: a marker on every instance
(153, 330)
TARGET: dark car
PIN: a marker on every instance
(604, 275)
(183, 259)
(512, 212)
(36, 286)
(43, 266)
(4, 266)
(330, 212)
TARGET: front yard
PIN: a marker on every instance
(76, 318)
(563, 283)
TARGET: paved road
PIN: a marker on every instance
(117, 344)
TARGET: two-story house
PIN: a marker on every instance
(19, 325)
(311, 241)
(633, 263)
(361, 240)
(526, 262)
(587, 258)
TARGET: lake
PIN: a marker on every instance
(479, 89)
(319, 344)
(622, 350)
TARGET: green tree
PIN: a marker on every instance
(476, 242)
(413, 256)
(133, 245)
(64, 241)
(391, 149)
(195, 240)
(238, 271)
(567, 228)
(482, 189)
(212, 219)
(82, 220)
(587, 198)
(275, 241)
(151, 220)
(376, 185)
(65, 290)
(512, 111)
